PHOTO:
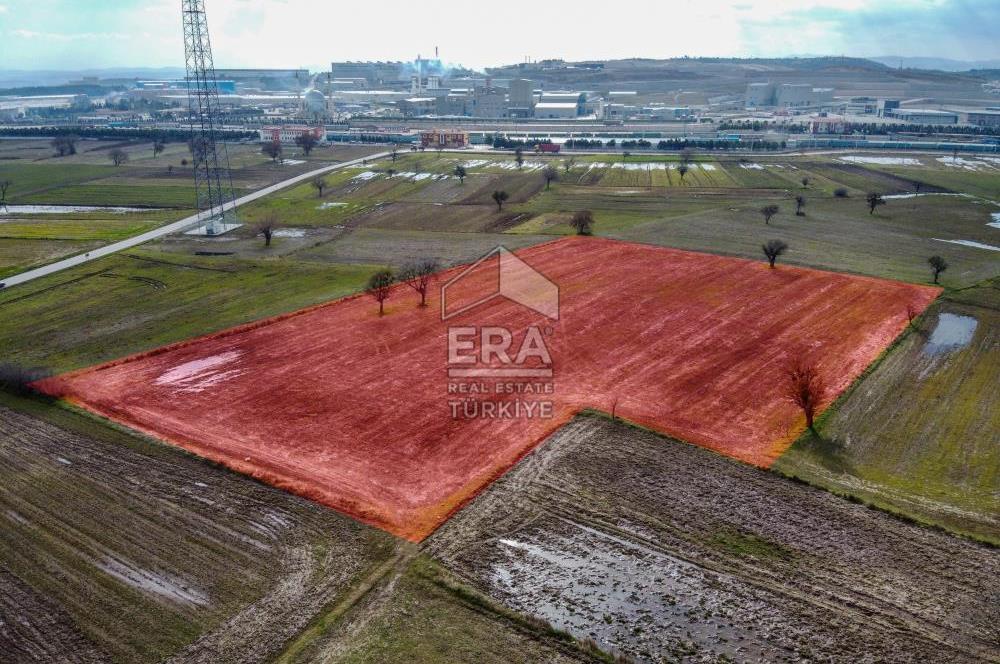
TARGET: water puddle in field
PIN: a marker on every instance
(290, 232)
(882, 161)
(68, 209)
(627, 597)
(292, 162)
(199, 375)
(996, 220)
(970, 243)
(158, 584)
(331, 204)
(951, 333)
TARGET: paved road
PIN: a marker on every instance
(173, 227)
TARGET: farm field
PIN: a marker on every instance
(939, 459)
(355, 359)
(664, 551)
(155, 191)
(253, 565)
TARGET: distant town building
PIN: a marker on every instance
(521, 93)
(827, 125)
(444, 138)
(290, 133)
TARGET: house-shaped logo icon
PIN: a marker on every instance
(499, 274)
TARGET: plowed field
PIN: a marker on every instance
(352, 410)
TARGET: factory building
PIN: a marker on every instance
(490, 103)
(375, 73)
(987, 118)
(553, 110)
(416, 106)
(787, 95)
(923, 116)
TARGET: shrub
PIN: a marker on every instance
(841, 192)
(17, 379)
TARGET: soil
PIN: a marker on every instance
(356, 410)
(662, 550)
(116, 548)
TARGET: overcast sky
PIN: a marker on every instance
(79, 34)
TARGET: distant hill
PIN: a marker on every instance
(941, 64)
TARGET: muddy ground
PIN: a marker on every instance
(114, 548)
(663, 550)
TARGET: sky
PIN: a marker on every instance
(84, 34)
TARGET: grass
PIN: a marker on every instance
(19, 254)
(84, 226)
(136, 301)
(938, 462)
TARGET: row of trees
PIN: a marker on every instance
(119, 134)
(418, 275)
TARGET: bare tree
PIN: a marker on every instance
(938, 265)
(118, 156)
(550, 173)
(64, 145)
(460, 173)
(307, 141)
(874, 200)
(800, 202)
(569, 164)
(158, 147)
(772, 249)
(273, 150)
(805, 388)
(4, 186)
(319, 183)
(419, 275)
(911, 315)
(499, 197)
(687, 156)
(519, 157)
(683, 170)
(266, 227)
(389, 172)
(768, 212)
(582, 222)
(380, 286)
(625, 155)
(395, 153)
(917, 186)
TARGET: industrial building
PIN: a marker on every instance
(922, 116)
(375, 73)
(987, 118)
(787, 95)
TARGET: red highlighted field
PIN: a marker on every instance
(357, 412)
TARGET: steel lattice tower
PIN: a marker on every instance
(212, 179)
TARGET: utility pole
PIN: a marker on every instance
(213, 181)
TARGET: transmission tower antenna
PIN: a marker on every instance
(213, 181)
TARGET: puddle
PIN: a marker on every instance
(752, 167)
(292, 162)
(151, 582)
(331, 204)
(627, 597)
(68, 209)
(996, 220)
(951, 333)
(290, 232)
(970, 243)
(883, 161)
(365, 175)
(199, 375)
